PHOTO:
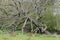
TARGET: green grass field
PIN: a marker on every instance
(25, 37)
(6, 36)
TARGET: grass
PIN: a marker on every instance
(25, 37)
(8, 36)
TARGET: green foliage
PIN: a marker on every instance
(52, 22)
(57, 22)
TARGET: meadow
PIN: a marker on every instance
(7, 36)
